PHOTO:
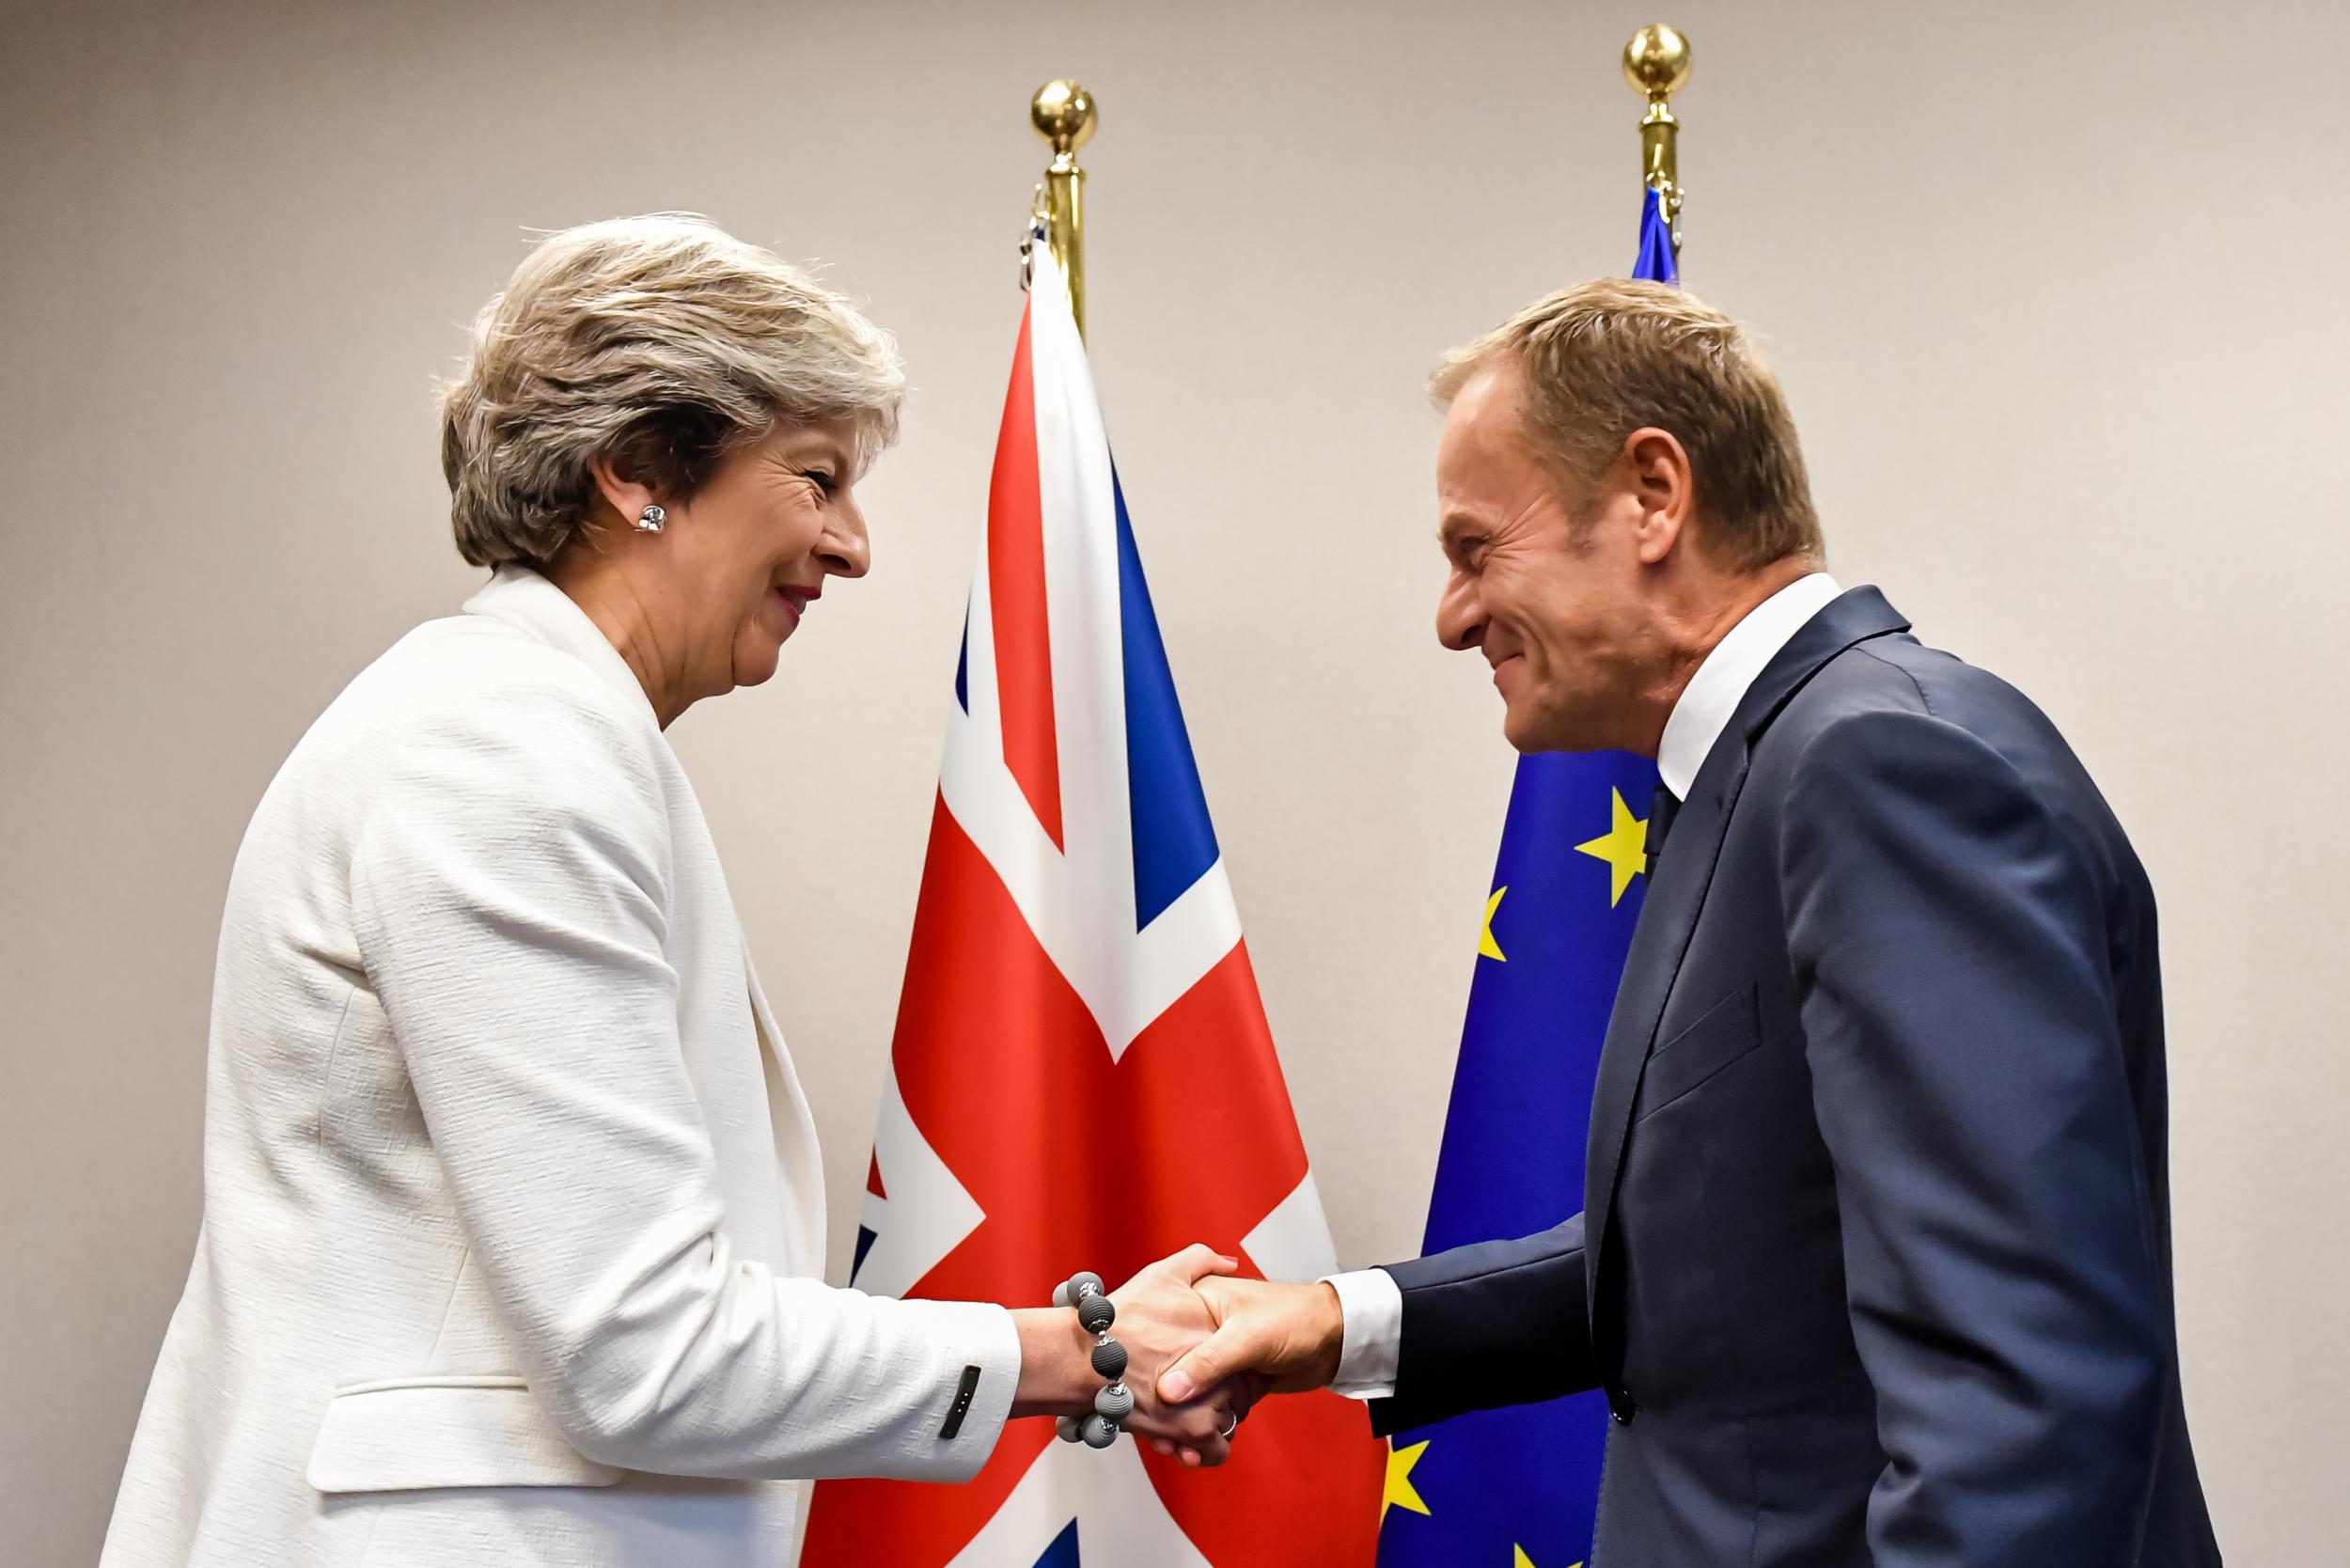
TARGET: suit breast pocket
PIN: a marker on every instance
(1722, 1035)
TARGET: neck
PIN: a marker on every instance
(1697, 625)
(626, 617)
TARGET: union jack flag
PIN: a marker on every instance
(1082, 1075)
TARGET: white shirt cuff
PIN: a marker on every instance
(1372, 1304)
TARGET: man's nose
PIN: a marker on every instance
(1460, 620)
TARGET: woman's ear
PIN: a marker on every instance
(627, 498)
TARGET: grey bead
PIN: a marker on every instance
(1081, 1280)
(1096, 1313)
(1098, 1432)
(1109, 1360)
(1065, 1427)
(1060, 1294)
(1116, 1402)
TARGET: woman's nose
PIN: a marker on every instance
(844, 549)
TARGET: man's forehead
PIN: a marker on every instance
(1485, 419)
(1483, 430)
(1491, 392)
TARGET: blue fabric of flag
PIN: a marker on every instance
(1521, 1485)
(1062, 1553)
(1174, 840)
(1656, 261)
(963, 666)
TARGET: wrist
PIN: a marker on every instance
(1328, 1316)
(1056, 1367)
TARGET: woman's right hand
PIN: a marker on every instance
(1160, 1317)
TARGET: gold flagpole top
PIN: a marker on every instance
(1656, 63)
(1063, 113)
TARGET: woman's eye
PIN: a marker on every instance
(823, 481)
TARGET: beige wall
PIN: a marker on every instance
(2050, 286)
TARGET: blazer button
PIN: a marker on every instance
(1621, 1405)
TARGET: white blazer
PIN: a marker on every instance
(510, 1225)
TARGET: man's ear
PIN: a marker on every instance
(1658, 469)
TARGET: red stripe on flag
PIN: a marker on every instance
(1077, 1161)
(1015, 577)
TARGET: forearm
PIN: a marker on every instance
(1494, 1324)
(727, 1370)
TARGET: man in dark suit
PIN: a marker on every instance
(1875, 1269)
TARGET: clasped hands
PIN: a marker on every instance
(1203, 1345)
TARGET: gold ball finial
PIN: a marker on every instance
(1062, 113)
(1656, 61)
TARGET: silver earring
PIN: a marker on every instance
(650, 519)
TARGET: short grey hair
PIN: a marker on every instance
(661, 342)
(1602, 359)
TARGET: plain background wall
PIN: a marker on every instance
(2055, 291)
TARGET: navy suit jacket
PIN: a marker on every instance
(1876, 1266)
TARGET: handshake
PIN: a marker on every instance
(1203, 1345)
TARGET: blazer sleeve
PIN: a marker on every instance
(1950, 952)
(512, 891)
(1487, 1325)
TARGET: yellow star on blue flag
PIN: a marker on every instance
(1486, 946)
(1624, 846)
(1400, 1493)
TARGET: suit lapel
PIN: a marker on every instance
(1676, 897)
(1668, 916)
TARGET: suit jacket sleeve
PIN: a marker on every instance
(1951, 958)
(512, 891)
(1487, 1325)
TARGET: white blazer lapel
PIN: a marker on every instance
(794, 1125)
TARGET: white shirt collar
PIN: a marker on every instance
(1720, 683)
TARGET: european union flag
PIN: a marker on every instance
(1517, 1488)
(1656, 260)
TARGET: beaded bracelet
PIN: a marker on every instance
(1113, 1405)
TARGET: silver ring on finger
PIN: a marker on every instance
(1226, 1433)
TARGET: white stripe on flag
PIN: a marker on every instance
(1080, 905)
(929, 1212)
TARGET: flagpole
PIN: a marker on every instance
(1062, 113)
(1656, 63)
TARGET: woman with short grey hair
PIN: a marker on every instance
(513, 1214)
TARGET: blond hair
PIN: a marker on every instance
(660, 342)
(1603, 359)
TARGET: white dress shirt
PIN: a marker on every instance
(1370, 1298)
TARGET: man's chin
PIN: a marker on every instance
(1532, 733)
(1526, 736)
